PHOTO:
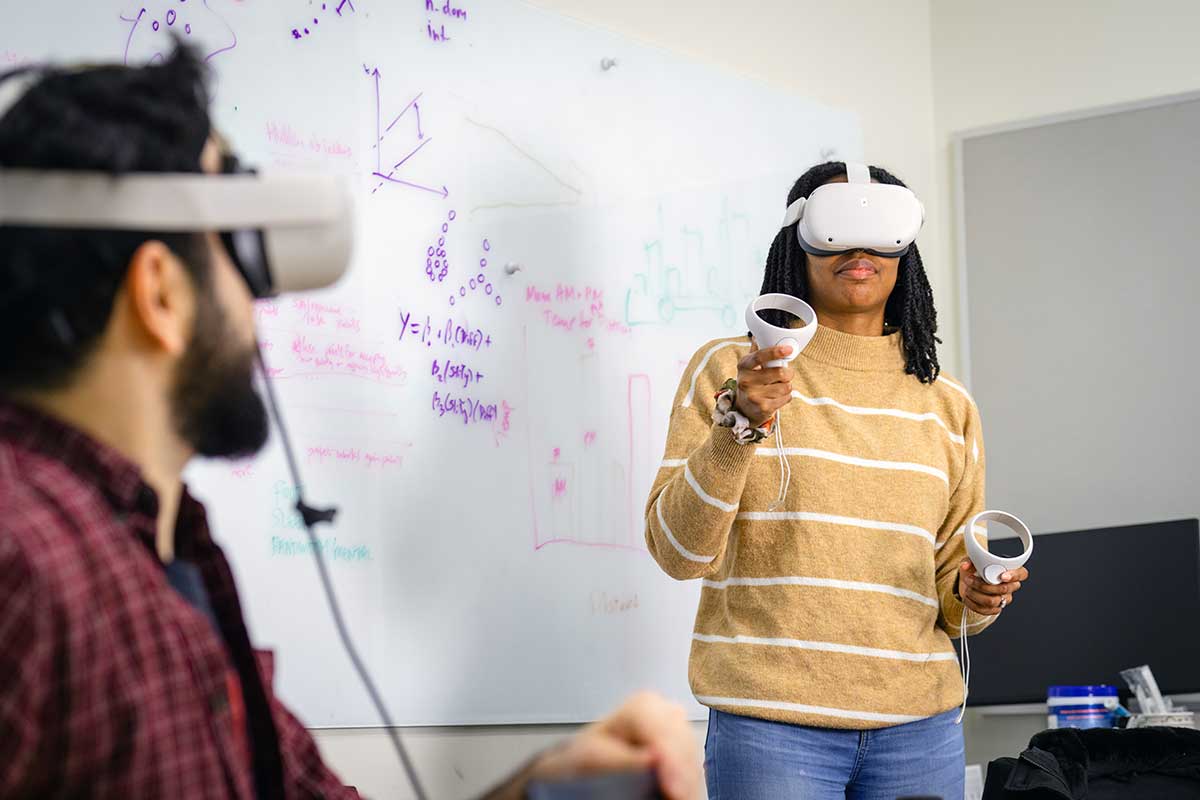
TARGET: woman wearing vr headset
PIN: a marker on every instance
(822, 500)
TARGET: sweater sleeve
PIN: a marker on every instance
(966, 501)
(699, 484)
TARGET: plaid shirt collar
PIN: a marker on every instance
(118, 479)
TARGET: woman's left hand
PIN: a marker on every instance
(984, 598)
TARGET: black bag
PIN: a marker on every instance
(1101, 764)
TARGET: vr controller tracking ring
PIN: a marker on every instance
(988, 566)
(768, 335)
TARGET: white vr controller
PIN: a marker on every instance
(768, 335)
(988, 566)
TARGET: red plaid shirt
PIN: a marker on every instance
(111, 684)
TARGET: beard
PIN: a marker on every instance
(216, 408)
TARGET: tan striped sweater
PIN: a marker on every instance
(837, 608)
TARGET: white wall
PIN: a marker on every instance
(1000, 62)
(996, 63)
(868, 57)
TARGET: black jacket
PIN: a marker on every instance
(1100, 764)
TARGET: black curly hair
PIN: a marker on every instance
(910, 306)
(58, 286)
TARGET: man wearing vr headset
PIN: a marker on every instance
(126, 670)
(835, 568)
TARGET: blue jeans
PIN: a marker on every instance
(753, 759)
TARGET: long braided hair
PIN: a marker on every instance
(910, 306)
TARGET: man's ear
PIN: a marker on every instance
(162, 297)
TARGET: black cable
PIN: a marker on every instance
(311, 517)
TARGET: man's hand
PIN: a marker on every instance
(647, 732)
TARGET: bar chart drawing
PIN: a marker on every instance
(585, 495)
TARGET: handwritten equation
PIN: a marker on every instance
(448, 334)
(471, 410)
(447, 371)
(451, 332)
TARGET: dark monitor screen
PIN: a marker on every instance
(1097, 602)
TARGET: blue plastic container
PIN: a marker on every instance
(1081, 706)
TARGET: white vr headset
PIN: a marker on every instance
(285, 233)
(879, 218)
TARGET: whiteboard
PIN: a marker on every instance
(489, 438)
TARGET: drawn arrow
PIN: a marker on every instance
(444, 192)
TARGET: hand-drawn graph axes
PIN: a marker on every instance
(381, 133)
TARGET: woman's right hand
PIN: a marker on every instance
(763, 390)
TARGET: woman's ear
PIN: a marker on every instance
(162, 297)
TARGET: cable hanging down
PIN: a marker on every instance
(311, 517)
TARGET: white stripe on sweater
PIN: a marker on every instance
(669, 463)
(826, 647)
(833, 519)
(905, 466)
(956, 387)
(691, 395)
(824, 583)
(983, 621)
(886, 412)
(800, 708)
(978, 529)
(683, 551)
(705, 496)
